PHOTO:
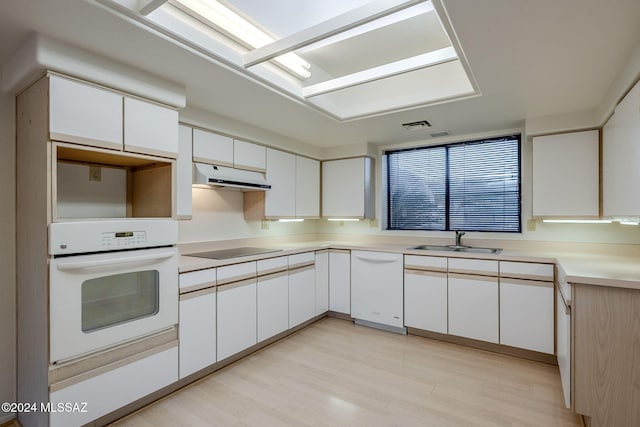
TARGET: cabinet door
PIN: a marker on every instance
(425, 300)
(150, 128)
(621, 157)
(84, 114)
(302, 295)
(236, 317)
(184, 171)
(273, 305)
(249, 156)
(211, 148)
(281, 174)
(340, 281)
(114, 389)
(526, 314)
(322, 282)
(197, 331)
(307, 187)
(566, 174)
(347, 188)
(473, 307)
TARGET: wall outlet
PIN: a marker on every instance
(373, 223)
(95, 173)
(265, 224)
(531, 225)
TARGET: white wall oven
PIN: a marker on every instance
(110, 282)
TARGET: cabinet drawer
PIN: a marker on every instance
(483, 267)
(526, 270)
(236, 272)
(431, 263)
(300, 260)
(195, 280)
(272, 265)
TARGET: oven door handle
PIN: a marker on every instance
(82, 265)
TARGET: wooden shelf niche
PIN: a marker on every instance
(92, 183)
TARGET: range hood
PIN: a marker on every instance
(205, 175)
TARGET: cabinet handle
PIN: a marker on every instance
(83, 265)
(377, 260)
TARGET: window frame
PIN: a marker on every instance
(387, 206)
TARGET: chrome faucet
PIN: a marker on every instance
(459, 235)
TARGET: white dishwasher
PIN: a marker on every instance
(377, 290)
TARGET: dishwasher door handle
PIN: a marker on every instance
(376, 260)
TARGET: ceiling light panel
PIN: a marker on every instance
(239, 29)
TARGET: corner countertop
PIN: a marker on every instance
(574, 266)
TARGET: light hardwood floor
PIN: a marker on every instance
(334, 373)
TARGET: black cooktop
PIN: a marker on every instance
(233, 253)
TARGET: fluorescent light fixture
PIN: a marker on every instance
(291, 220)
(629, 223)
(578, 221)
(343, 219)
(242, 31)
(439, 56)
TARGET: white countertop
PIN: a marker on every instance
(578, 267)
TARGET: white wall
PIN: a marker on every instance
(7, 253)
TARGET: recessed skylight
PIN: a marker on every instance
(347, 58)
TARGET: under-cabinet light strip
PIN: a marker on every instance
(343, 219)
(578, 221)
(291, 220)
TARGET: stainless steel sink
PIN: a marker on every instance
(457, 248)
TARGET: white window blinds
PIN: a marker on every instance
(470, 186)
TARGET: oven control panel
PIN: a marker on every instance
(123, 239)
(82, 237)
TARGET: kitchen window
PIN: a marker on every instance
(470, 186)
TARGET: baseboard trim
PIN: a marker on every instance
(536, 356)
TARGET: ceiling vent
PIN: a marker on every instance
(439, 134)
(416, 125)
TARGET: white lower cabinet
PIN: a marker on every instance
(114, 389)
(197, 331)
(425, 300)
(302, 288)
(236, 317)
(273, 304)
(526, 314)
(322, 282)
(340, 281)
(473, 307)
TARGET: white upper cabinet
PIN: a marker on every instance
(89, 115)
(621, 157)
(280, 201)
(347, 188)
(566, 180)
(184, 173)
(249, 156)
(307, 188)
(212, 148)
(221, 150)
(84, 114)
(150, 128)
